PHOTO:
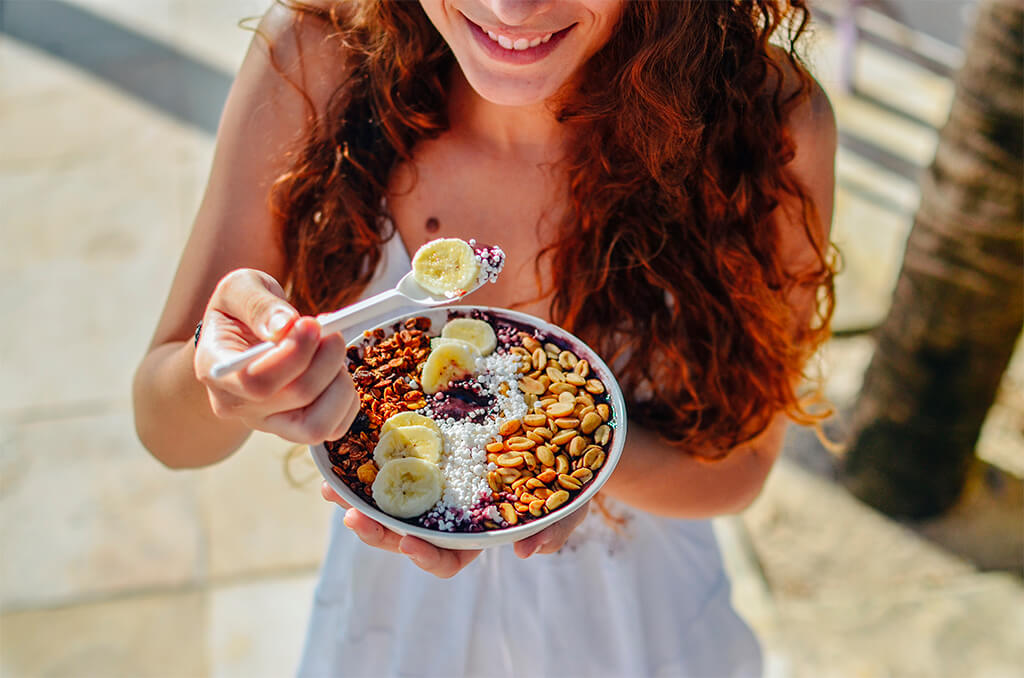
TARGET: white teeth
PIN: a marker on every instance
(520, 44)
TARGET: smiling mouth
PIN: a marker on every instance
(520, 43)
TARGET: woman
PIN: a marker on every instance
(661, 180)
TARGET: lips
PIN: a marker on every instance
(523, 48)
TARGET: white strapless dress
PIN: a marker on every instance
(646, 596)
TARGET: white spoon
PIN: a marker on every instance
(407, 290)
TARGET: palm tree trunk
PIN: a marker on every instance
(959, 301)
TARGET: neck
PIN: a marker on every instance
(528, 133)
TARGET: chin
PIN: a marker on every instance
(508, 91)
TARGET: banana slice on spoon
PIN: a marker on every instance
(447, 266)
(436, 255)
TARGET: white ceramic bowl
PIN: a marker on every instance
(479, 540)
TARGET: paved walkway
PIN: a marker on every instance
(113, 566)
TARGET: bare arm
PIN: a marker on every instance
(174, 412)
(683, 486)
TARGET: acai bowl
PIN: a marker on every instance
(477, 427)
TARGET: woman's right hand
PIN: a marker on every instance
(300, 390)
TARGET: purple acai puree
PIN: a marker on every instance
(472, 519)
(463, 399)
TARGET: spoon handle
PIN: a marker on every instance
(345, 318)
(337, 321)
(240, 360)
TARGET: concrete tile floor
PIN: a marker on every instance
(139, 571)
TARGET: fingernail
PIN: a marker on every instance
(415, 559)
(278, 322)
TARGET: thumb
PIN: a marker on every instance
(257, 300)
(278, 323)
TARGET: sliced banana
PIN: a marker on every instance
(404, 419)
(406, 488)
(446, 266)
(418, 442)
(448, 361)
(476, 332)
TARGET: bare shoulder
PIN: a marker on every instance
(812, 123)
(298, 50)
(812, 127)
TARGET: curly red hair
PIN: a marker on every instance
(670, 263)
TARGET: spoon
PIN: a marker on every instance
(407, 290)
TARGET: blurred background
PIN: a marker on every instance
(112, 565)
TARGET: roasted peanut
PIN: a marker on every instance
(563, 436)
(584, 475)
(555, 375)
(508, 475)
(569, 483)
(567, 360)
(562, 387)
(535, 420)
(539, 359)
(529, 343)
(555, 500)
(531, 385)
(509, 427)
(510, 459)
(594, 458)
(548, 476)
(545, 455)
(590, 423)
(543, 431)
(518, 444)
(508, 513)
(559, 409)
(574, 379)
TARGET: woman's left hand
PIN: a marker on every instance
(446, 563)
